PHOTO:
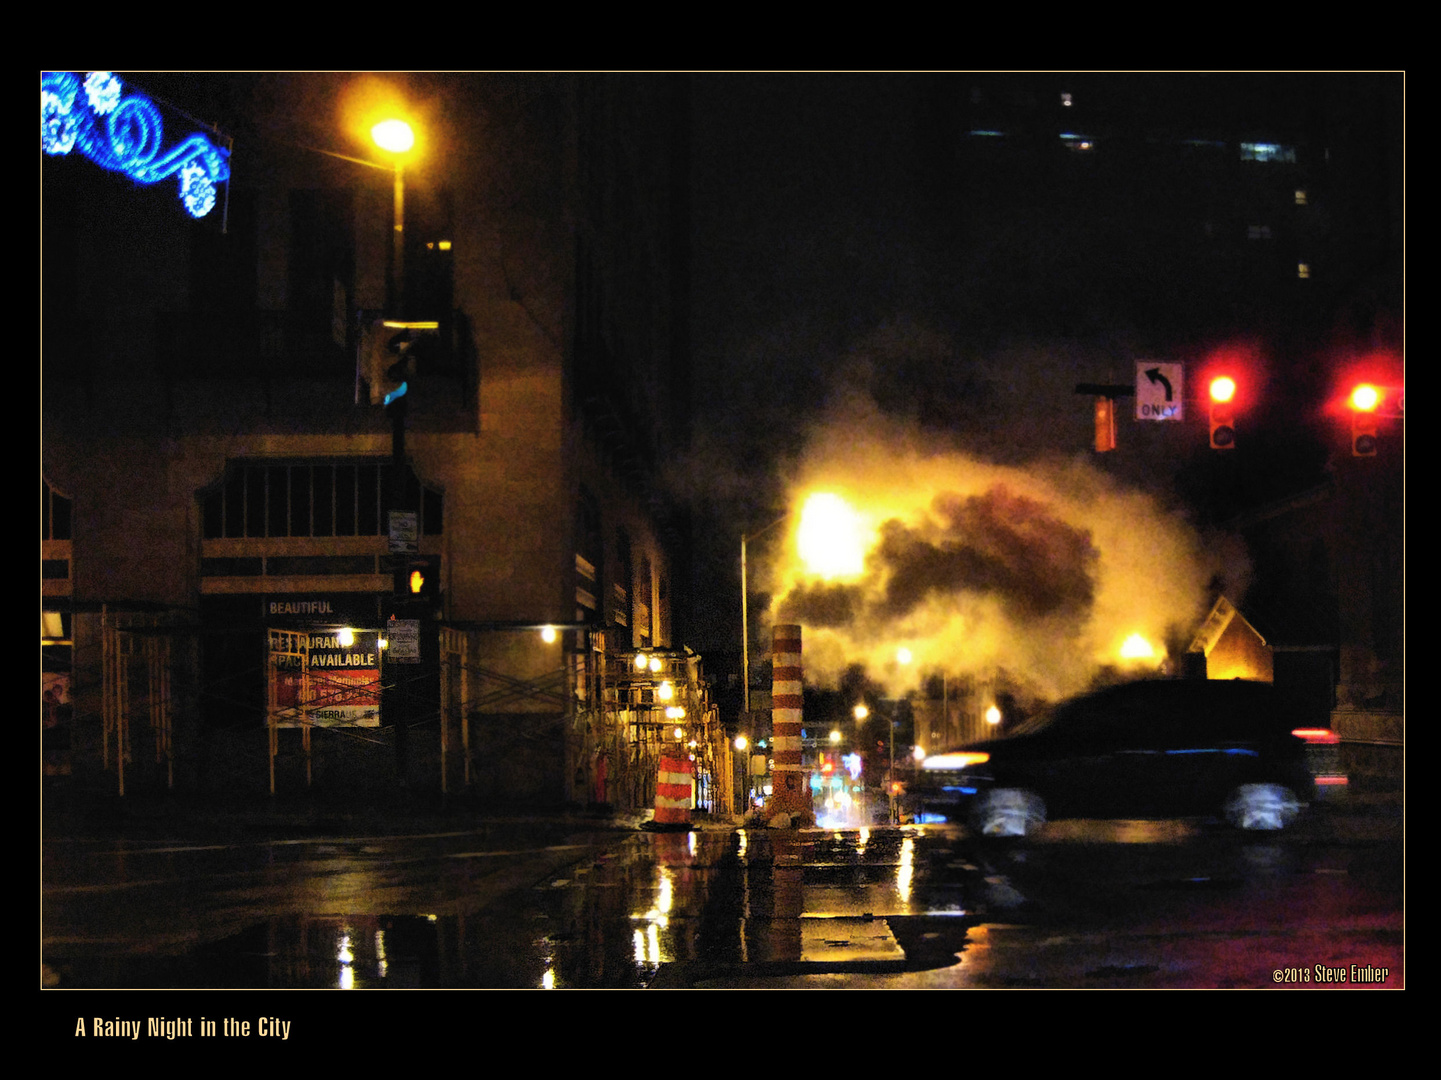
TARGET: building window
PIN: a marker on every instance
(644, 606)
(1303, 270)
(54, 514)
(312, 499)
(589, 558)
(55, 542)
(1265, 151)
(620, 611)
(1258, 232)
(1300, 196)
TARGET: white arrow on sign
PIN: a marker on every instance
(1158, 391)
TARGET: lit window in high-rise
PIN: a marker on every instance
(1066, 100)
(1303, 270)
(1300, 196)
(1263, 151)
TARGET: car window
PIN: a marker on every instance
(1165, 713)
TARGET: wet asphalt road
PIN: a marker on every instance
(576, 904)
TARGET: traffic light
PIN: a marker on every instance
(390, 356)
(389, 363)
(1223, 413)
(1363, 401)
(1105, 424)
(417, 578)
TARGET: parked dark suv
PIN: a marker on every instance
(1175, 748)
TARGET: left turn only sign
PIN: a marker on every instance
(1158, 391)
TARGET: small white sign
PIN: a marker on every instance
(403, 636)
(1158, 391)
(404, 532)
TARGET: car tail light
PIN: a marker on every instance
(951, 762)
(1322, 756)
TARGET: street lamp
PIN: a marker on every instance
(745, 615)
(396, 137)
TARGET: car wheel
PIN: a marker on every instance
(1262, 806)
(1009, 812)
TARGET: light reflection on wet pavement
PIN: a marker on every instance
(1084, 904)
(615, 919)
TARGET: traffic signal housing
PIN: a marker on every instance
(390, 360)
(1105, 424)
(1223, 413)
(417, 578)
(1363, 401)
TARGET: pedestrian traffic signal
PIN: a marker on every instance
(1223, 413)
(1363, 401)
(417, 578)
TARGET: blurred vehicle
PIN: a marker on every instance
(1323, 759)
(1176, 748)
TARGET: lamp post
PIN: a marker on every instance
(745, 615)
(396, 137)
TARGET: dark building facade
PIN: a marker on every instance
(219, 473)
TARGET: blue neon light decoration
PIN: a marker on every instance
(123, 133)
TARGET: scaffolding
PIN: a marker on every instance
(619, 711)
(136, 684)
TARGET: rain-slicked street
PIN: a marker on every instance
(576, 904)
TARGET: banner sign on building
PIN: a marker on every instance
(333, 679)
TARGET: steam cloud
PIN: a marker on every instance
(1041, 571)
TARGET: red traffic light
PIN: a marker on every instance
(1363, 400)
(1223, 415)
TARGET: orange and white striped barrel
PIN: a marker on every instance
(673, 791)
(791, 792)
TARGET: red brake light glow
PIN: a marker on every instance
(947, 762)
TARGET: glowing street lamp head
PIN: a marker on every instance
(1136, 647)
(831, 537)
(393, 135)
